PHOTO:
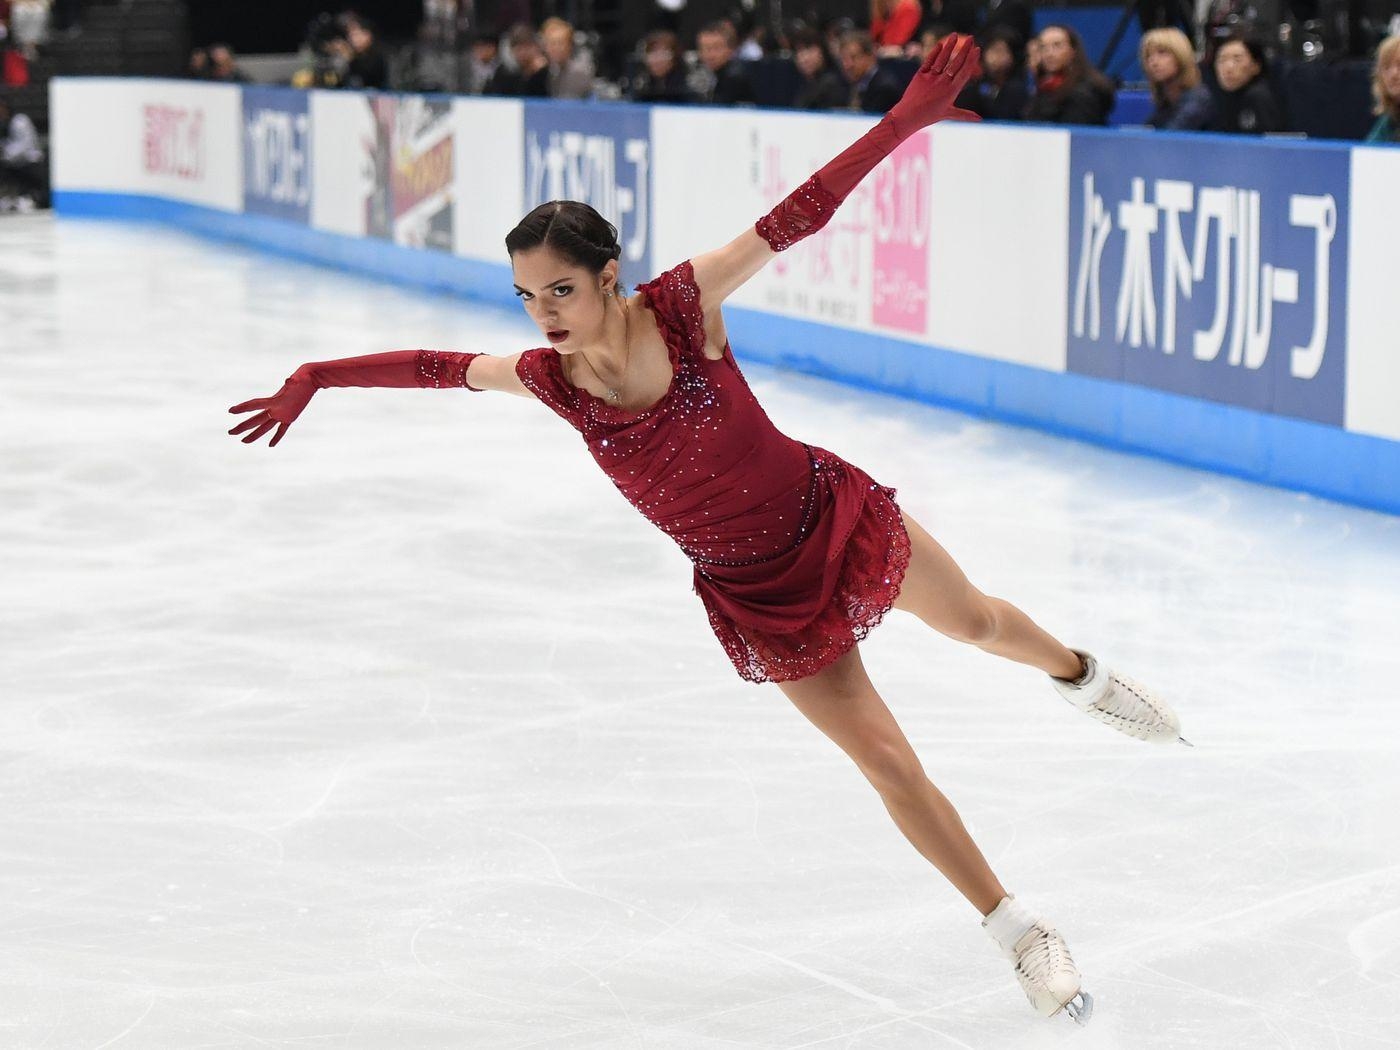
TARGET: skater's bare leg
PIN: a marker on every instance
(841, 701)
(936, 591)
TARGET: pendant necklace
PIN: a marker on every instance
(615, 393)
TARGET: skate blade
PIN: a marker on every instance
(1183, 740)
(1080, 1008)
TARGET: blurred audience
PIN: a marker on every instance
(222, 67)
(570, 75)
(871, 89)
(893, 24)
(1179, 101)
(1243, 100)
(822, 87)
(1068, 90)
(1385, 85)
(483, 59)
(662, 77)
(23, 173)
(366, 65)
(530, 77)
(1001, 92)
(729, 82)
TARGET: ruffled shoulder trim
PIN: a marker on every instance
(674, 298)
(540, 372)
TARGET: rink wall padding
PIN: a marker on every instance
(1219, 302)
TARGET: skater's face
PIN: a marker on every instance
(567, 301)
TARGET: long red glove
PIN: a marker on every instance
(400, 368)
(927, 100)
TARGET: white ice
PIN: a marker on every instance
(410, 733)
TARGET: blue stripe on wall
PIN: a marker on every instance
(1291, 453)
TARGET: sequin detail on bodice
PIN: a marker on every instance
(798, 554)
(704, 463)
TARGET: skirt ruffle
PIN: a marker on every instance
(787, 619)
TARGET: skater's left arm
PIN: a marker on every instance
(927, 100)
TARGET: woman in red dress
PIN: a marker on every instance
(797, 553)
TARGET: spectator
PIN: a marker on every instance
(893, 24)
(872, 89)
(730, 82)
(482, 62)
(1069, 89)
(1180, 102)
(662, 77)
(21, 161)
(198, 67)
(222, 66)
(367, 67)
(1244, 102)
(569, 76)
(822, 87)
(1385, 85)
(929, 39)
(1000, 93)
(530, 77)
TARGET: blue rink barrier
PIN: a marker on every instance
(1257, 446)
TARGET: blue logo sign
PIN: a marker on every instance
(600, 155)
(1210, 268)
(276, 153)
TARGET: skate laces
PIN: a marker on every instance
(1130, 703)
(1045, 956)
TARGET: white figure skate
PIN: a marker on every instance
(1118, 701)
(1047, 974)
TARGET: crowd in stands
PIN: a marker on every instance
(1044, 77)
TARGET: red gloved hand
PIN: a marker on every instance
(398, 368)
(940, 80)
(927, 100)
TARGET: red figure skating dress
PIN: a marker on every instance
(797, 553)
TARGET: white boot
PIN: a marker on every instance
(1118, 701)
(1047, 974)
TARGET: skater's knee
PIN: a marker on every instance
(892, 767)
(976, 622)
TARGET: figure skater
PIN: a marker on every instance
(797, 554)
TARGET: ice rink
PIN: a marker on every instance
(410, 733)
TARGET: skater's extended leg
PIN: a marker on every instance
(937, 592)
(841, 701)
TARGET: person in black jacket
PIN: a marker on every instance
(368, 68)
(822, 87)
(662, 76)
(530, 77)
(1000, 93)
(731, 84)
(1069, 90)
(873, 89)
(1244, 101)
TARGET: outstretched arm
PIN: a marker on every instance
(927, 100)
(397, 368)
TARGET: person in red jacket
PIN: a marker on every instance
(797, 553)
(893, 24)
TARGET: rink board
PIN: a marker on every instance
(1218, 302)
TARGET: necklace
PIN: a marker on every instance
(615, 393)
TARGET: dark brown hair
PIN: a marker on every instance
(572, 229)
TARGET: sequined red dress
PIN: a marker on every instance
(797, 553)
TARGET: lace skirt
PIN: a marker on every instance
(789, 616)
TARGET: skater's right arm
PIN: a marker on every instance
(397, 368)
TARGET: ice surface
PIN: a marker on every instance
(410, 733)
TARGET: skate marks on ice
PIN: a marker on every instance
(410, 732)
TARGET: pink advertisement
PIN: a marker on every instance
(899, 294)
(173, 141)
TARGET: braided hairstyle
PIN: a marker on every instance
(570, 228)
